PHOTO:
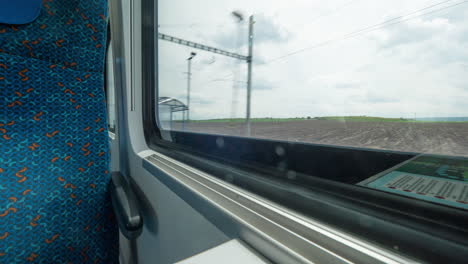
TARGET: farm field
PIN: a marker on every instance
(446, 138)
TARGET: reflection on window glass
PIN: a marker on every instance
(387, 75)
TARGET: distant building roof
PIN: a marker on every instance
(174, 104)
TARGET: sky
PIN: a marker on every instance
(308, 62)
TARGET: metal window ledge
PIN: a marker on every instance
(279, 234)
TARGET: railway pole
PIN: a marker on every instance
(183, 120)
(249, 74)
(239, 17)
(189, 78)
(199, 46)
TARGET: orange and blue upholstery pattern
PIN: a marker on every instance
(54, 157)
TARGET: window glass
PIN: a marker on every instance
(379, 75)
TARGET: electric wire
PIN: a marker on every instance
(364, 30)
(396, 20)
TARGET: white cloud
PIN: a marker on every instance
(415, 66)
(415, 31)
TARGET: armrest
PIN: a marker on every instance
(125, 206)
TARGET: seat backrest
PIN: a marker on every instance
(54, 161)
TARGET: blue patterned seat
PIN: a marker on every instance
(54, 162)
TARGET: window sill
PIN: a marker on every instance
(276, 232)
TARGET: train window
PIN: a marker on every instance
(358, 101)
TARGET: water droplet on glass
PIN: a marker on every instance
(229, 178)
(291, 175)
(220, 142)
(279, 151)
(282, 165)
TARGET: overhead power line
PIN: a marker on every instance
(396, 20)
(201, 47)
(364, 30)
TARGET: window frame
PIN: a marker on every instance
(108, 88)
(431, 224)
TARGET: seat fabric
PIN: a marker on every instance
(54, 162)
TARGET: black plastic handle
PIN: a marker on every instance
(126, 208)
